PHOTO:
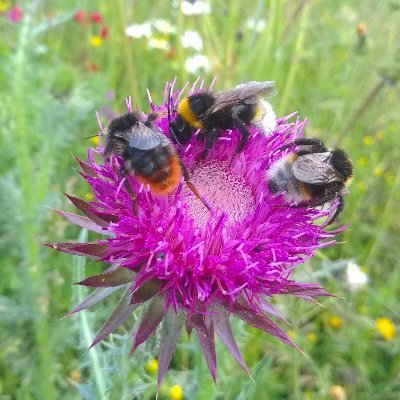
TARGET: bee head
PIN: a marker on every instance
(341, 162)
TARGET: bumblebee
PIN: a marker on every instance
(147, 154)
(236, 108)
(311, 176)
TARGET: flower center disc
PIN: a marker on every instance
(223, 190)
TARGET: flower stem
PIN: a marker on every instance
(84, 327)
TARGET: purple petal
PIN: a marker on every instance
(152, 317)
(170, 331)
(117, 277)
(121, 312)
(94, 297)
(224, 331)
(84, 222)
(207, 344)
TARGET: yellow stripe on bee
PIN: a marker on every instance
(187, 114)
(258, 112)
(348, 181)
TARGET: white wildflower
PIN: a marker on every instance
(196, 63)
(164, 26)
(196, 7)
(192, 39)
(158, 43)
(138, 30)
(256, 25)
(355, 276)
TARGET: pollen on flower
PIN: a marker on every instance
(222, 189)
(386, 328)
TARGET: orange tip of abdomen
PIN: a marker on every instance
(168, 184)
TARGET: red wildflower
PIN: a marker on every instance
(96, 17)
(93, 67)
(15, 14)
(80, 17)
(104, 32)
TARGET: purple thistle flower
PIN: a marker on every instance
(190, 266)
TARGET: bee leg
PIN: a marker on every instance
(128, 188)
(315, 146)
(211, 136)
(244, 132)
(338, 210)
(193, 188)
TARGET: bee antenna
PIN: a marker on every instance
(88, 137)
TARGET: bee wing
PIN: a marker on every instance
(242, 92)
(143, 138)
(315, 169)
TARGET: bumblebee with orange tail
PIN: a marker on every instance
(236, 108)
(147, 154)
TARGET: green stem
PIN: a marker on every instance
(128, 55)
(34, 283)
(295, 62)
(84, 326)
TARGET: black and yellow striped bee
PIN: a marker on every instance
(312, 175)
(237, 108)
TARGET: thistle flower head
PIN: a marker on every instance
(187, 264)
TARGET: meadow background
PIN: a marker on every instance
(335, 62)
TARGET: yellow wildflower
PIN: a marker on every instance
(362, 186)
(337, 392)
(334, 322)
(312, 337)
(75, 375)
(96, 41)
(95, 140)
(380, 135)
(378, 171)
(292, 334)
(152, 366)
(389, 178)
(4, 6)
(362, 161)
(368, 140)
(176, 392)
(386, 328)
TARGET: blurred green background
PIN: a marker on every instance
(335, 62)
